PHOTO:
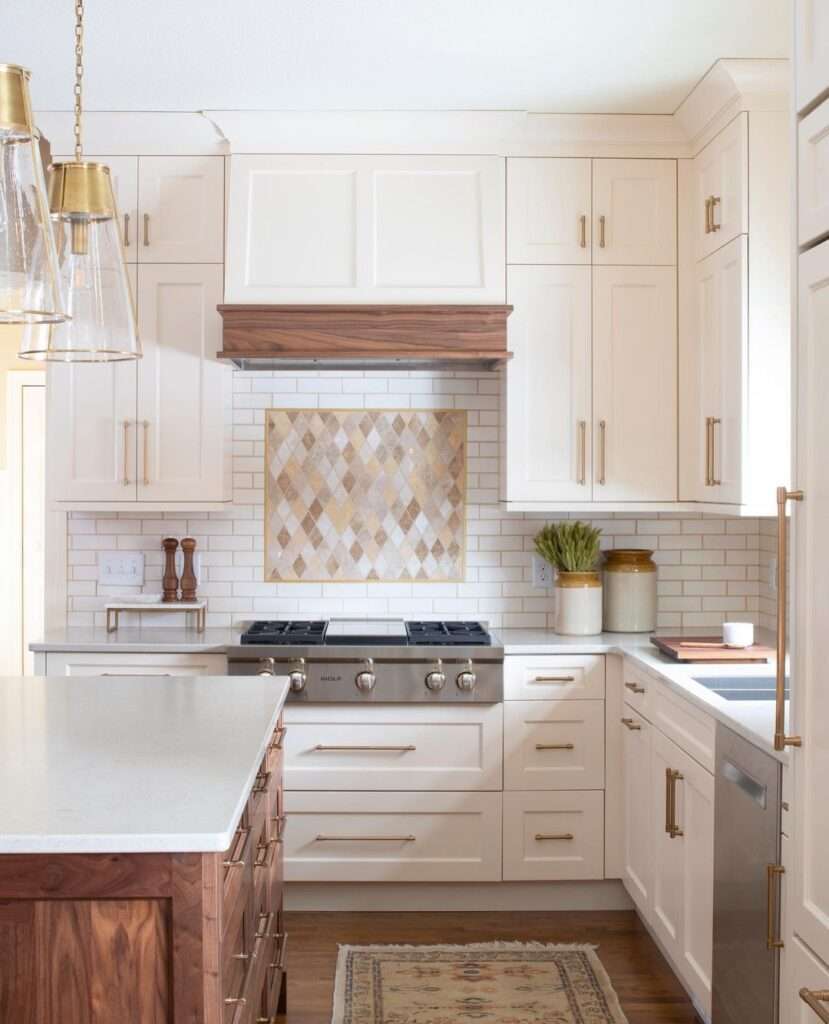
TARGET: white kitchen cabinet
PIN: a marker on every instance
(377, 229)
(554, 745)
(547, 386)
(123, 171)
(634, 384)
(638, 832)
(813, 175)
(412, 747)
(181, 207)
(392, 837)
(811, 51)
(634, 212)
(803, 971)
(184, 391)
(117, 664)
(554, 677)
(549, 210)
(721, 172)
(553, 836)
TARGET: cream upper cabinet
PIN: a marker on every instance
(181, 207)
(366, 229)
(548, 385)
(813, 175)
(634, 212)
(638, 839)
(183, 390)
(811, 51)
(549, 216)
(721, 173)
(634, 384)
(123, 171)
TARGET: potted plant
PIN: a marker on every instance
(572, 548)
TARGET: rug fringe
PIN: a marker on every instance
(559, 946)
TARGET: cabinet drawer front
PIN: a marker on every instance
(557, 744)
(639, 689)
(406, 748)
(554, 677)
(78, 663)
(393, 837)
(553, 836)
(692, 731)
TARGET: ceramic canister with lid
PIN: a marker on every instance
(629, 591)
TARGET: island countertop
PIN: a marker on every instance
(128, 765)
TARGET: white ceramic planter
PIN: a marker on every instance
(578, 603)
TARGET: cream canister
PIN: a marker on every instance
(629, 591)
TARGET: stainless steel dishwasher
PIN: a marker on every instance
(745, 969)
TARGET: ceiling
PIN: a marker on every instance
(563, 56)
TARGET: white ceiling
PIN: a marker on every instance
(597, 56)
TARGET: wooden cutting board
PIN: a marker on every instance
(684, 648)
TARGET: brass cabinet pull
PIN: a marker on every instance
(264, 929)
(601, 231)
(672, 776)
(365, 839)
(234, 860)
(543, 837)
(138, 675)
(715, 422)
(715, 202)
(773, 872)
(781, 740)
(708, 215)
(602, 452)
(555, 746)
(146, 425)
(261, 783)
(126, 481)
(404, 748)
(555, 679)
(265, 853)
(634, 688)
(146, 229)
(813, 998)
(582, 452)
(279, 963)
(583, 231)
(630, 724)
(126, 230)
(707, 451)
(278, 737)
(279, 821)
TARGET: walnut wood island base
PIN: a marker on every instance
(151, 937)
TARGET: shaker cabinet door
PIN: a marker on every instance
(181, 207)
(548, 210)
(811, 51)
(721, 172)
(634, 212)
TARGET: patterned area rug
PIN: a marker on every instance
(490, 983)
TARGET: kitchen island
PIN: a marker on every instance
(140, 851)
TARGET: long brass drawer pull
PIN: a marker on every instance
(555, 679)
(773, 872)
(234, 860)
(364, 839)
(813, 998)
(543, 837)
(630, 724)
(555, 746)
(634, 688)
(327, 747)
(672, 776)
(137, 675)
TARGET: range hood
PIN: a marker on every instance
(349, 337)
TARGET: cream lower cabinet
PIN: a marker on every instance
(553, 836)
(638, 842)
(115, 664)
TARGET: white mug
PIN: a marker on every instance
(738, 634)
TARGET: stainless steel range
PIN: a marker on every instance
(379, 661)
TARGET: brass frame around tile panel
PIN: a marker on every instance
(463, 483)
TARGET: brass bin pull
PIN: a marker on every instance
(814, 998)
(543, 837)
(634, 688)
(672, 776)
(629, 723)
(146, 229)
(555, 746)
(405, 748)
(601, 231)
(781, 740)
(126, 230)
(602, 452)
(126, 481)
(773, 872)
(582, 452)
(583, 231)
(555, 679)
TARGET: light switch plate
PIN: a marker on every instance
(121, 568)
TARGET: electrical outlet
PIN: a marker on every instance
(121, 568)
(542, 573)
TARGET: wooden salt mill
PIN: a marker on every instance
(169, 581)
(188, 574)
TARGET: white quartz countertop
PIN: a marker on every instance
(154, 640)
(752, 719)
(130, 765)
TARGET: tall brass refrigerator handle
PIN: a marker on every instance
(781, 740)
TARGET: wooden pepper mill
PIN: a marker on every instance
(188, 574)
(169, 581)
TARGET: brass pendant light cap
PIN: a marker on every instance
(15, 108)
(81, 189)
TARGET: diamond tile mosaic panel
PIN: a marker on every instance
(355, 495)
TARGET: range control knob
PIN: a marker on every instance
(466, 680)
(436, 679)
(297, 677)
(267, 667)
(366, 679)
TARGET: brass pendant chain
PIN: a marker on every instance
(78, 78)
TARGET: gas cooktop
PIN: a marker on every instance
(372, 632)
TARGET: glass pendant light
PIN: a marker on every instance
(29, 280)
(91, 259)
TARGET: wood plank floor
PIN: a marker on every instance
(647, 988)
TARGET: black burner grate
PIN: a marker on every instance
(459, 634)
(306, 633)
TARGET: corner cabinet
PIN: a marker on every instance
(363, 229)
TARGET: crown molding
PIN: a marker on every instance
(115, 133)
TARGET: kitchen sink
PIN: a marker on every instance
(741, 687)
